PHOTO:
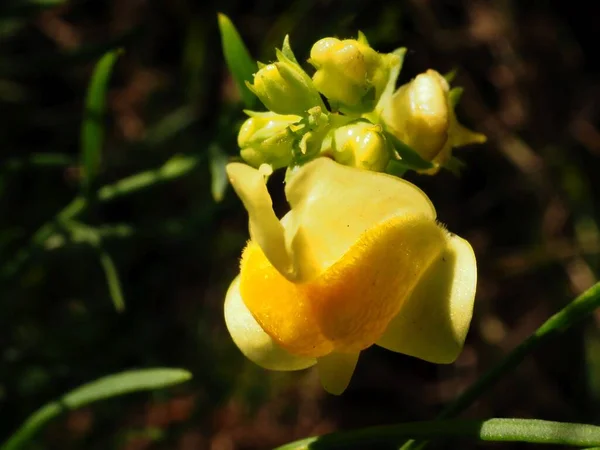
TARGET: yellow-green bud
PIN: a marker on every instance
(360, 144)
(421, 115)
(265, 138)
(283, 87)
(350, 73)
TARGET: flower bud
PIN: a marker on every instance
(350, 73)
(284, 88)
(265, 138)
(419, 114)
(360, 144)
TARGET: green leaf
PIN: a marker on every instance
(454, 96)
(92, 130)
(112, 279)
(39, 160)
(362, 38)
(455, 166)
(491, 430)
(124, 383)
(101, 389)
(450, 76)
(410, 158)
(177, 166)
(396, 168)
(218, 161)
(286, 49)
(83, 233)
(238, 59)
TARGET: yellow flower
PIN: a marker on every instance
(420, 115)
(358, 260)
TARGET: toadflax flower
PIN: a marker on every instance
(358, 260)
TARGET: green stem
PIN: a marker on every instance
(495, 430)
(174, 168)
(575, 311)
(40, 160)
(36, 421)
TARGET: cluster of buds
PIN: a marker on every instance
(367, 123)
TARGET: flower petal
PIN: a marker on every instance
(254, 343)
(333, 205)
(335, 371)
(434, 321)
(350, 305)
(279, 306)
(265, 228)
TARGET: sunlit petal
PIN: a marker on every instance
(433, 322)
(265, 228)
(253, 341)
(333, 205)
(335, 371)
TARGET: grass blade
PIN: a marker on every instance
(238, 59)
(92, 129)
(101, 389)
(492, 430)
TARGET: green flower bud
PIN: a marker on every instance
(421, 114)
(266, 138)
(284, 88)
(360, 144)
(350, 73)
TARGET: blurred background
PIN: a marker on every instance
(526, 202)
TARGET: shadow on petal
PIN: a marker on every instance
(335, 371)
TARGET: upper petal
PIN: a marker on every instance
(250, 338)
(333, 205)
(265, 228)
(433, 322)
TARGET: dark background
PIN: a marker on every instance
(526, 201)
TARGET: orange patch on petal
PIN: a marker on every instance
(350, 305)
(280, 308)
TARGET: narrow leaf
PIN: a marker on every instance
(112, 279)
(81, 232)
(102, 389)
(286, 49)
(454, 96)
(92, 130)
(238, 59)
(450, 76)
(218, 161)
(409, 157)
(492, 430)
(455, 166)
(362, 38)
(396, 168)
(124, 383)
